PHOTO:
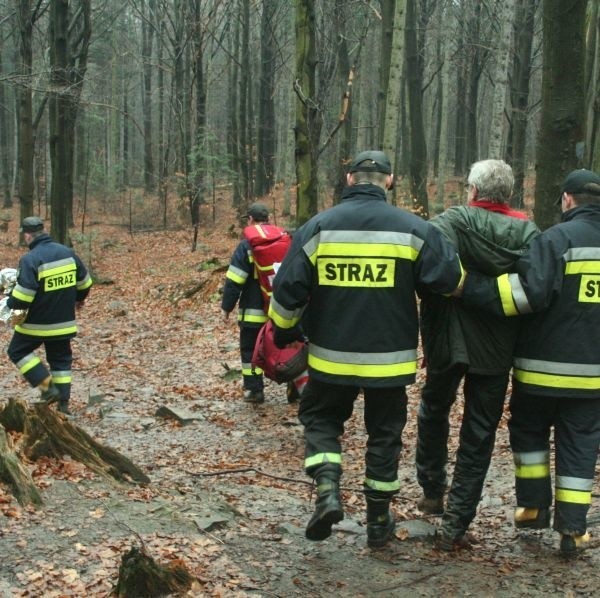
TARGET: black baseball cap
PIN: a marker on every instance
(371, 161)
(259, 212)
(31, 224)
(580, 181)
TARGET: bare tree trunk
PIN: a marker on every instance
(394, 86)
(4, 143)
(69, 42)
(233, 139)
(307, 125)
(244, 105)
(521, 75)
(498, 127)
(266, 101)
(418, 145)
(388, 8)
(25, 22)
(147, 43)
(561, 127)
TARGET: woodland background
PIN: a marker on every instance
(132, 100)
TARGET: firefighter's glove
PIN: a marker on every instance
(285, 336)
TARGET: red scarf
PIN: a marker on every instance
(502, 208)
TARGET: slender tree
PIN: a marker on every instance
(561, 127)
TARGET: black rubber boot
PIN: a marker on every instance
(380, 522)
(328, 507)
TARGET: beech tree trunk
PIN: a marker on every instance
(561, 127)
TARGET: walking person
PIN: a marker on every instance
(470, 345)
(51, 283)
(351, 276)
(556, 369)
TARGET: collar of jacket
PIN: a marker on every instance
(38, 240)
(590, 211)
(363, 191)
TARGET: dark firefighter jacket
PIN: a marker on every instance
(454, 334)
(241, 284)
(50, 280)
(557, 349)
(351, 276)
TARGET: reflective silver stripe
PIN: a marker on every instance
(391, 357)
(85, 283)
(581, 253)
(41, 327)
(531, 458)
(238, 272)
(518, 293)
(20, 290)
(563, 481)
(557, 367)
(284, 318)
(57, 264)
(26, 359)
(362, 236)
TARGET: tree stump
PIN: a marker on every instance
(140, 576)
(47, 433)
(13, 473)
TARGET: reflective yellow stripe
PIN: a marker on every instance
(321, 458)
(573, 496)
(287, 321)
(583, 267)
(21, 296)
(57, 270)
(383, 486)
(46, 332)
(532, 472)
(29, 365)
(363, 370)
(85, 284)
(558, 381)
(62, 379)
(390, 250)
(252, 318)
(505, 290)
(234, 277)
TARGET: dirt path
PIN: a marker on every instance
(228, 495)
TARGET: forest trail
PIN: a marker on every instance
(228, 495)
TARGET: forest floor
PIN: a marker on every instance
(228, 497)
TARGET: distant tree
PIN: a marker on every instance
(561, 128)
(69, 33)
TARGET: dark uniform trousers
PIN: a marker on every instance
(248, 336)
(58, 354)
(484, 402)
(325, 407)
(576, 425)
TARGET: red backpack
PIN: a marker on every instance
(280, 365)
(269, 245)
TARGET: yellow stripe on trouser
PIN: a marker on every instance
(322, 458)
(532, 472)
(578, 497)
(382, 486)
(29, 365)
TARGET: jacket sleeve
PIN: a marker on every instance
(291, 286)
(24, 291)
(84, 280)
(438, 266)
(537, 280)
(238, 272)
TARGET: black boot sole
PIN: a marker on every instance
(320, 529)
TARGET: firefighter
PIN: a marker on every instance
(51, 282)
(241, 286)
(351, 276)
(556, 368)
(468, 343)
